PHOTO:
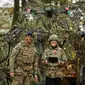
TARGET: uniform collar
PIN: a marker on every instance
(54, 48)
(25, 44)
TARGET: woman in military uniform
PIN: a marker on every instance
(53, 61)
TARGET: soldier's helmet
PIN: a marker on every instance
(53, 37)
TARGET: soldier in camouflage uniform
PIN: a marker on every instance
(53, 61)
(24, 62)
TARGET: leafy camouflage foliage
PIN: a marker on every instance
(58, 23)
(65, 26)
(61, 1)
(3, 49)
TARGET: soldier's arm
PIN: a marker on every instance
(64, 57)
(13, 55)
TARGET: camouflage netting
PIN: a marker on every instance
(65, 26)
(78, 12)
(59, 23)
(3, 49)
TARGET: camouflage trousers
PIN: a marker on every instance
(22, 80)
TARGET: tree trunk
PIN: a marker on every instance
(23, 3)
(16, 11)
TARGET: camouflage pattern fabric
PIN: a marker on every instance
(54, 70)
(20, 80)
(24, 63)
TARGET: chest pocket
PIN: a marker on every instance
(26, 55)
(55, 54)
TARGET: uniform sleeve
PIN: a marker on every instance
(13, 54)
(64, 57)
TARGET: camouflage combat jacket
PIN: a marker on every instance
(54, 70)
(23, 59)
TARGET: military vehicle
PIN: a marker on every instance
(45, 19)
